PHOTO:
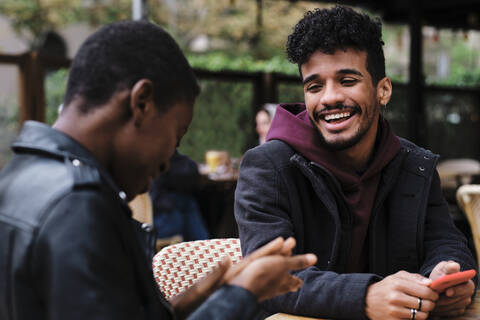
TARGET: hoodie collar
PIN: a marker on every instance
(292, 125)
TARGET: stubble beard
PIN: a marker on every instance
(362, 130)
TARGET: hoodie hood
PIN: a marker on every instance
(292, 125)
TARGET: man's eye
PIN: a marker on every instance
(348, 81)
(314, 88)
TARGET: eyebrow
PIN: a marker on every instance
(350, 71)
(341, 71)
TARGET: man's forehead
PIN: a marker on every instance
(341, 61)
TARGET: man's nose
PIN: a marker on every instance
(332, 95)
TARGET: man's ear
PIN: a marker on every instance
(141, 100)
(384, 91)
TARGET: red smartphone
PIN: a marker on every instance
(450, 280)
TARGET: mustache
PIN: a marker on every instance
(318, 114)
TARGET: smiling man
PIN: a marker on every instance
(335, 176)
(69, 248)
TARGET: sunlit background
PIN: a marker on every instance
(248, 37)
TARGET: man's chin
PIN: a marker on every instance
(339, 143)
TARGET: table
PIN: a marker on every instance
(473, 313)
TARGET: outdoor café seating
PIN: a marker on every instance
(468, 197)
(178, 266)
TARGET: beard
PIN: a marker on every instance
(361, 131)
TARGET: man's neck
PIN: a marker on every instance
(356, 158)
(88, 130)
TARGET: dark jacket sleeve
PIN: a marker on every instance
(262, 209)
(443, 241)
(228, 303)
(81, 266)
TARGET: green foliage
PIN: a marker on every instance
(32, 18)
(8, 127)
(463, 71)
(222, 120)
(290, 93)
(222, 61)
(55, 86)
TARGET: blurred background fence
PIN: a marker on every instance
(225, 109)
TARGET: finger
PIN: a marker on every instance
(407, 313)
(461, 290)
(288, 246)
(215, 278)
(289, 283)
(443, 268)
(413, 277)
(273, 247)
(453, 303)
(450, 313)
(451, 267)
(425, 305)
(413, 285)
(447, 302)
(300, 261)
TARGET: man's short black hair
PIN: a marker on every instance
(118, 55)
(340, 27)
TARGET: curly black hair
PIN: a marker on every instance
(118, 55)
(340, 27)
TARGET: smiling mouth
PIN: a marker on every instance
(337, 116)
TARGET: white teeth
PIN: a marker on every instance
(337, 116)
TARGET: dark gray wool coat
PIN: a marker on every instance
(281, 193)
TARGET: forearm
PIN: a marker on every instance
(228, 303)
(325, 294)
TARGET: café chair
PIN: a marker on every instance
(468, 198)
(179, 266)
(141, 207)
(456, 172)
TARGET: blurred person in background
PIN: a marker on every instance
(263, 119)
(175, 209)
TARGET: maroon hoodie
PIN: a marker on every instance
(292, 125)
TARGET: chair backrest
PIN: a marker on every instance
(179, 266)
(142, 209)
(468, 198)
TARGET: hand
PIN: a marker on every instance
(268, 276)
(187, 301)
(276, 246)
(455, 300)
(396, 295)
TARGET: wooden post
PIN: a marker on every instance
(31, 89)
(417, 129)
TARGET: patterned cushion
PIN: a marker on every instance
(178, 266)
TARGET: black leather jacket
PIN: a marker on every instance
(67, 246)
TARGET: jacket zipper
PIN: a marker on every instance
(346, 222)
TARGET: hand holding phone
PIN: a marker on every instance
(450, 280)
